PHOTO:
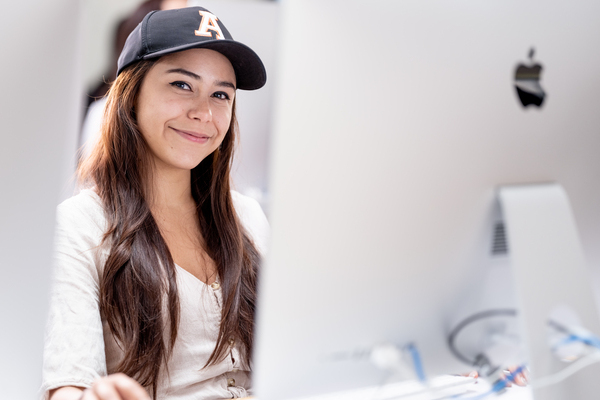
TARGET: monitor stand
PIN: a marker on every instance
(550, 273)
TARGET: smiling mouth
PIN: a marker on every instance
(193, 136)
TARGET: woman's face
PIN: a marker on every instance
(184, 106)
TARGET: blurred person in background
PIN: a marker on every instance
(96, 97)
(156, 260)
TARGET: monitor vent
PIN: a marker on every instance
(499, 243)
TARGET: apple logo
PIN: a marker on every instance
(527, 82)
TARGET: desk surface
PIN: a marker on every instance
(446, 387)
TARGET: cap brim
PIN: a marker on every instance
(249, 70)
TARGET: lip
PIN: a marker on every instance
(192, 136)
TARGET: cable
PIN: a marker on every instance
(575, 367)
(501, 384)
(573, 338)
(417, 364)
(481, 360)
(498, 386)
(575, 334)
(558, 326)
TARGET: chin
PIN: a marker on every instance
(189, 161)
(183, 160)
(188, 166)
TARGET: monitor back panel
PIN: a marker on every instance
(395, 122)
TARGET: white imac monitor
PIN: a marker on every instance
(396, 125)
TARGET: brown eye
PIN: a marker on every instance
(181, 85)
(221, 95)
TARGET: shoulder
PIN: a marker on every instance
(86, 199)
(82, 214)
(253, 219)
(86, 202)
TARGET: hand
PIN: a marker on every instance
(112, 387)
(115, 387)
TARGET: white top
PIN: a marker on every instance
(78, 344)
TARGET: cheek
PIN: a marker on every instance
(223, 122)
(153, 116)
(145, 114)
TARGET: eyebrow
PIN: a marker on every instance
(198, 77)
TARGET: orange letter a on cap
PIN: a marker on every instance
(209, 21)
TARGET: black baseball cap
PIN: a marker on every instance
(169, 31)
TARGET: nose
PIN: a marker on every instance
(200, 109)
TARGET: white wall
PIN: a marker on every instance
(39, 104)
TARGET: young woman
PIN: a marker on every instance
(156, 262)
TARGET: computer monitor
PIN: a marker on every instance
(396, 124)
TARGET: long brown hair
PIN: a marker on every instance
(139, 272)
